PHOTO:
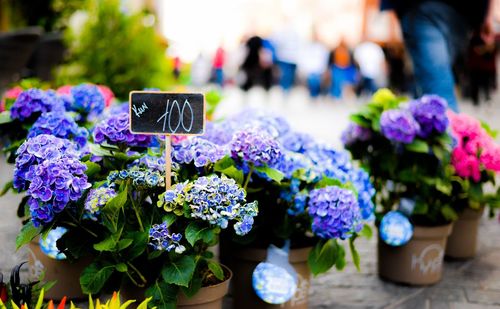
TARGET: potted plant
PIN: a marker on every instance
(406, 148)
(475, 159)
(300, 184)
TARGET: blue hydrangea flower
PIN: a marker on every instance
(115, 130)
(364, 187)
(291, 162)
(97, 199)
(60, 125)
(398, 125)
(87, 100)
(52, 185)
(219, 133)
(33, 102)
(335, 213)
(214, 199)
(255, 147)
(139, 177)
(430, 113)
(354, 133)
(198, 151)
(36, 150)
(162, 240)
(297, 142)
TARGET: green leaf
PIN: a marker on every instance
(194, 286)
(198, 231)
(227, 166)
(124, 244)
(163, 295)
(169, 219)
(97, 150)
(328, 182)
(360, 120)
(93, 278)
(139, 244)
(121, 267)
(179, 272)
(354, 253)
(224, 163)
(5, 117)
(366, 232)
(323, 256)
(272, 173)
(340, 263)
(116, 203)
(448, 213)
(92, 168)
(418, 146)
(27, 233)
(9, 185)
(216, 269)
(108, 244)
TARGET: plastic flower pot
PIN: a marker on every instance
(462, 243)
(209, 297)
(65, 273)
(243, 264)
(420, 261)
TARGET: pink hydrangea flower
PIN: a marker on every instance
(108, 95)
(10, 94)
(66, 89)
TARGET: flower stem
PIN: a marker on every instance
(136, 211)
(248, 176)
(137, 272)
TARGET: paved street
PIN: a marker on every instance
(470, 284)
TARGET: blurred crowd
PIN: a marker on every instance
(284, 59)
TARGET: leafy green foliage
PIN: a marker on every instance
(197, 231)
(94, 278)
(180, 271)
(27, 233)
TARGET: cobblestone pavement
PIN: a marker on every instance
(467, 284)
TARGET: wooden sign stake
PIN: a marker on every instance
(168, 162)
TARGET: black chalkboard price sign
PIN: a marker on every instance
(166, 113)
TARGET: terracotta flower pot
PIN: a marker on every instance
(420, 261)
(65, 273)
(209, 297)
(243, 264)
(462, 243)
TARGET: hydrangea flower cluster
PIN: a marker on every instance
(153, 163)
(115, 130)
(255, 147)
(97, 199)
(475, 149)
(354, 133)
(49, 168)
(361, 181)
(139, 177)
(34, 102)
(220, 133)
(335, 212)
(214, 199)
(297, 142)
(430, 113)
(398, 125)
(107, 94)
(162, 240)
(10, 94)
(87, 99)
(290, 162)
(197, 150)
(36, 150)
(60, 125)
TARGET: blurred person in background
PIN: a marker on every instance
(286, 42)
(218, 66)
(435, 33)
(342, 69)
(313, 63)
(200, 71)
(257, 65)
(481, 67)
(371, 63)
(176, 64)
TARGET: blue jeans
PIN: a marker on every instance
(314, 84)
(434, 35)
(287, 75)
(340, 77)
(219, 76)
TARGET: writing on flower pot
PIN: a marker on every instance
(300, 296)
(167, 113)
(429, 260)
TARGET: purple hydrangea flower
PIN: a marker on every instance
(361, 181)
(60, 125)
(87, 99)
(115, 130)
(399, 126)
(430, 113)
(97, 199)
(255, 147)
(52, 185)
(354, 133)
(219, 133)
(199, 151)
(36, 150)
(34, 102)
(161, 239)
(297, 142)
(335, 213)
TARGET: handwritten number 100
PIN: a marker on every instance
(167, 117)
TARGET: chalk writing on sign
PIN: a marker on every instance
(167, 113)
